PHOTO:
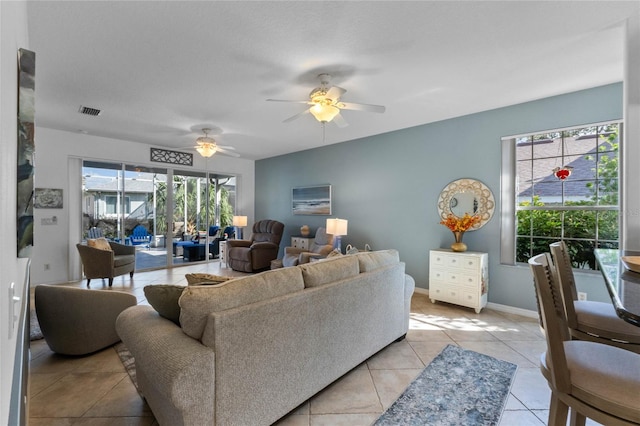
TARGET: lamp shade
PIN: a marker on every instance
(206, 149)
(239, 221)
(337, 226)
(324, 113)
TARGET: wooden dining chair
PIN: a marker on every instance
(590, 320)
(595, 380)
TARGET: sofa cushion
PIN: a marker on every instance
(164, 299)
(320, 273)
(205, 279)
(99, 243)
(197, 302)
(372, 260)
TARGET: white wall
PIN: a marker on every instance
(13, 35)
(55, 244)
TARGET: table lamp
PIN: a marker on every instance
(338, 228)
(239, 222)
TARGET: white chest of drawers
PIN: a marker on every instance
(302, 242)
(459, 278)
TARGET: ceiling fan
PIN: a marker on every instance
(325, 104)
(207, 146)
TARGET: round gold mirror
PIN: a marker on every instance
(467, 196)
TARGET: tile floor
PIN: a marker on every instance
(96, 390)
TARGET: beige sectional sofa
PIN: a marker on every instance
(252, 349)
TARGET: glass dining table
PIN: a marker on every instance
(623, 285)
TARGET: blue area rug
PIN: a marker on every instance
(459, 387)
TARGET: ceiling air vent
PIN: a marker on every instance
(89, 111)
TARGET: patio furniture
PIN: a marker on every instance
(193, 252)
(94, 232)
(140, 237)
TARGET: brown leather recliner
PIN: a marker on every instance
(256, 253)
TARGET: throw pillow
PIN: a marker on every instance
(320, 273)
(99, 243)
(205, 279)
(164, 299)
(198, 302)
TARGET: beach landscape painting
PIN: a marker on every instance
(311, 200)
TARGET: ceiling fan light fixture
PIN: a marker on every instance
(204, 140)
(324, 113)
(206, 149)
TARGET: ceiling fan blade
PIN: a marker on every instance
(229, 153)
(335, 92)
(361, 107)
(283, 100)
(226, 147)
(340, 121)
(306, 111)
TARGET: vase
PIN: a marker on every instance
(458, 245)
(304, 230)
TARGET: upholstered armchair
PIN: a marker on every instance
(321, 247)
(107, 261)
(256, 253)
(77, 321)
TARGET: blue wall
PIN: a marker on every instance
(387, 185)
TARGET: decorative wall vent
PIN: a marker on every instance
(89, 111)
(172, 157)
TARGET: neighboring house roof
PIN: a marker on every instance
(546, 154)
(102, 184)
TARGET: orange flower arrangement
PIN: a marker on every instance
(460, 224)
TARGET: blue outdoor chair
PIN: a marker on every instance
(230, 232)
(140, 236)
(94, 233)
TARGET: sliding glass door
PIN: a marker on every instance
(119, 200)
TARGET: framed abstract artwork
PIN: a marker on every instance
(315, 200)
(26, 150)
(47, 198)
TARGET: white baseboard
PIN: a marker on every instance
(495, 306)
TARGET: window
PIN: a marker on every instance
(111, 202)
(561, 185)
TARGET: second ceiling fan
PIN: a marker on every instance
(325, 104)
(207, 146)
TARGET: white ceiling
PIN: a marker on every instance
(161, 70)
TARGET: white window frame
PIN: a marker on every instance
(508, 221)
